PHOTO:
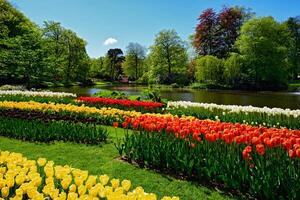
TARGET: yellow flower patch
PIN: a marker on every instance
(22, 178)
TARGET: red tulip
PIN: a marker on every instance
(116, 124)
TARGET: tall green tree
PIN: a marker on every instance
(134, 65)
(233, 70)
(97, 69)
(293, 24)
(20, 47)
(168, 57)
(55, 49)
(264, 44)
(209, 69)
(66, 54)
(115, 58)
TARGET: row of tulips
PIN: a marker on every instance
(36, 93)
(122, 103)
(271, 117)
(257, 160)
(36, 130)
(101, 115)
(260, 137)
(21, 178)
(20, 98)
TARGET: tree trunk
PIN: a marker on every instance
(169, 61)
(136, 67)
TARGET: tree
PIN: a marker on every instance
(264, 44)
(230, 22)
(216, 33)
(20, 47)
(206, 39)
(168, 57)
(55, 48)
(233, 68)
(293, 24)
(115, 57)
(66, 54)
(97, 67)
(209, 69)
(134, 60)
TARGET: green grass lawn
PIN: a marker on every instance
(102, 160)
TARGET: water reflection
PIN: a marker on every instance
(260, 99)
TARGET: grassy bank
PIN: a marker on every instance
(103, 160)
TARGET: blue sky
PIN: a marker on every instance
(124, 21)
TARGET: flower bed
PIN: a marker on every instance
(103, 115)
(38, 131)
(122, 103)
(259, 160)
(20, 98)
(21, 178)
(37, 93)
(232, 113)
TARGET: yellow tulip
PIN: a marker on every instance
(93, 192)
(2, 183)
(19, 192)
(32, 192)
(41, 162)
(81, 190)
(4, 192)
(115, 183)
(126, 184)
(20, 179)
(91, 181)
(10, 182)
(72, 188)
(104, 179)
(78, 181)
(72, 196)
(65, 182)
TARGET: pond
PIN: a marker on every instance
(271, 99)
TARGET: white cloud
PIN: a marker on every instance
(110, 41)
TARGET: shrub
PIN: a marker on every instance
(209, 69)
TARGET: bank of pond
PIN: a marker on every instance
(253, 151)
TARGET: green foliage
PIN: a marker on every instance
(110, 94)
(65, 53)
(168, 55)
(209, 69)
(21, 52)
(264, 44)
(38, 131)
(293, 24)
(134, 64)
(97, 69)
(147, 95)
(233, 67)
(218, 161)
(113, 63)
(152, 95)
(33, 56)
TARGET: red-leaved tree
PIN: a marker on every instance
(217, 33)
